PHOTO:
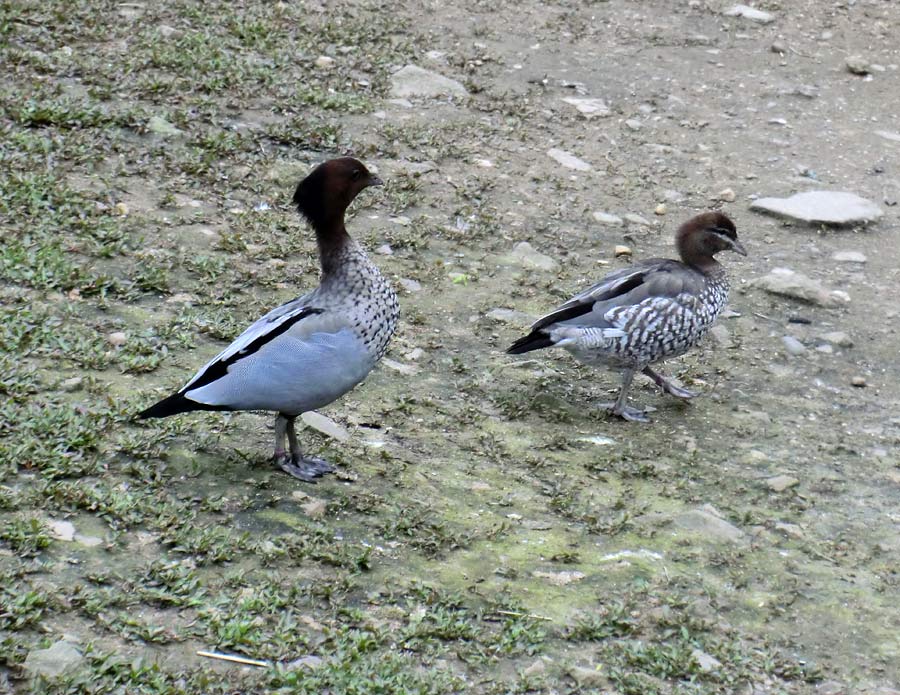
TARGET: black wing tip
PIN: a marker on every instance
(175, 404)
(171, 405)
(533, 341)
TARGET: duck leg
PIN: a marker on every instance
(619, 408)
(667, 386)
(280, 435)
(305, 468)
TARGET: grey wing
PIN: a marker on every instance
(257, 334)
(314, 360)
(632, 285)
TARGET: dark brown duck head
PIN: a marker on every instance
(324, 196)
(700, 238)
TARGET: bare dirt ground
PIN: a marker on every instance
(489, 531)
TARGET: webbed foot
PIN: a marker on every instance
(625, 412)
(305, 468)
(669, 386)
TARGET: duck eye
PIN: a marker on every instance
(356, 174)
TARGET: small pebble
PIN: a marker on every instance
(789, 530)
(622, 251)
(849, 257)
(324, 62)
(73, 383)
(607, 218)
(859, 382)
(117, 339)
(858, 65)
(793, 346)
(726, 195)
(838, 338)
(661, 209)
(780, 483)
(632, 218)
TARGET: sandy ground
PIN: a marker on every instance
(489, 530)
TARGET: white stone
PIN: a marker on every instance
(526, 255)
(607, 218)
(568, 160)
(325, 425)
(858, 65)
(787, 283)
(588, 107)
(849, 257)
(727, 195)
(838, 338)
(117, 338)
(888, 135)
(410, 285)
(793, 346)
(399, 367)
(825, 207)
(750, 13)
(413, 81)
(160, 126)
(632, 218)
(63, 530)
(324, 62)
(705, 523)
(597, 439)
(706, 662)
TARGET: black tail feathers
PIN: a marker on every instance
(536, 340)
(174, 404)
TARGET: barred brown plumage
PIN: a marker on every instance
(650, 312)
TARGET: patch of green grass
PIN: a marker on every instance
(613, 621)
(20, 607)
(26, 537)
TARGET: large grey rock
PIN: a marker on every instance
(821, 207)
(53, 661)
(526, 255)
(413, 81)
(787, 283)
(707, 523)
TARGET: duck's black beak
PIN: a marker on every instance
(374, 181)
(738, 247)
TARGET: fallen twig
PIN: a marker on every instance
(233, 658)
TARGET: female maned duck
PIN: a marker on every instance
(644, 314)
(305, 354)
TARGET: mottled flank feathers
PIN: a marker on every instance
(654, 310)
